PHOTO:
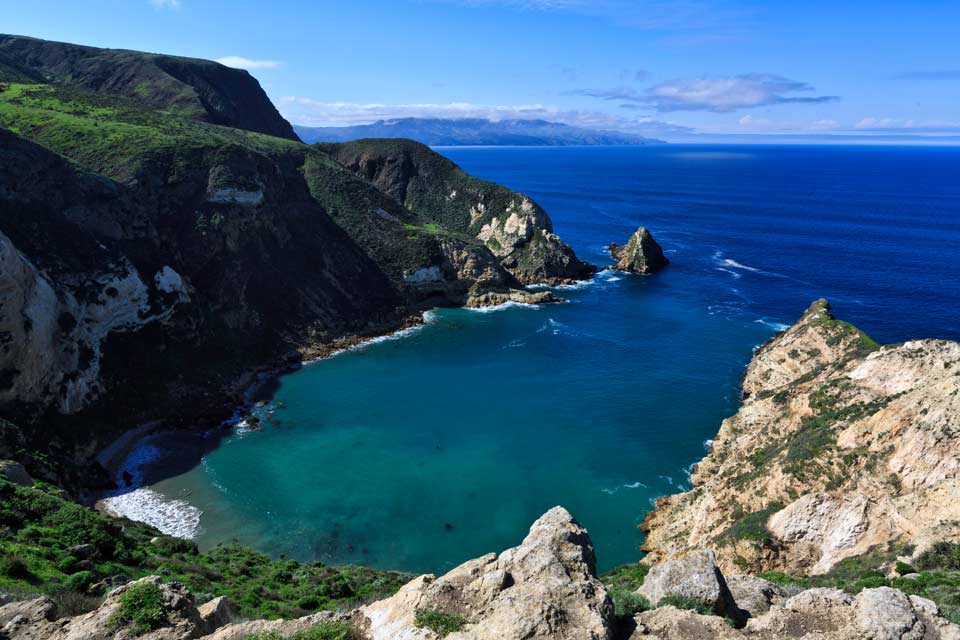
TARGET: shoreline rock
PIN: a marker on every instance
(641, 254)
(840, 447)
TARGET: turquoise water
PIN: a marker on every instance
(420, 452)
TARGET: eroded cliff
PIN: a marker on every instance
(841, 447)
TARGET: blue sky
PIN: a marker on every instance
(670, 69)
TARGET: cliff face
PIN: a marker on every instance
(198, 89)
(840, 447)
(151, 260)
(515, 228)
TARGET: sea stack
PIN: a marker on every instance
(641, 254)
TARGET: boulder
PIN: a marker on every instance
(641, 254)
(217, 613)
(37, 621)
(544, 588)
(754, 595)
(887, 614)
(693, 575)
(16, 617)
(815, 614)
(15, 473)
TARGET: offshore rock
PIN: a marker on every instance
(641, 254)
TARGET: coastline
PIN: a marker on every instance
(124, 458)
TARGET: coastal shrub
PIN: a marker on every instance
(39, 525)
(942, 555)
(752, 526)
(702, 607)
(141, 607)
(80, 582)
(628, 577)
(627, 603)
(903, 568)
(14, 567)
(321, 631)
(72, 603)
(440, 622)
(172, 544)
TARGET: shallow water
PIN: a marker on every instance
(419, 453)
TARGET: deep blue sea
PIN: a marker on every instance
(422, 451)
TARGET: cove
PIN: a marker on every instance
(421, 451)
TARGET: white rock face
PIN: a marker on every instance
(424, 275)
(52, 349)
(169, 281)
(231, 195)
(840, 446)
(545, 588)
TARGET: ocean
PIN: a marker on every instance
(422, 450)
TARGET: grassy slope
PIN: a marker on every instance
(38, 526)
(113, 136)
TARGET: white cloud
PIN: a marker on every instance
(720, 94)
(306, 111)
(910, 126)
(238, 62)
(824, 125)
(166, 4)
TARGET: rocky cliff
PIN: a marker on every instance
(841, 448)
(152, 260)
(514, 227)
(189, 87)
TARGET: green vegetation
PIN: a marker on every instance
(751, 526)
(440, 622)
(115, 136)
(628, 603)
(321, 631)
(938, 579)
(141, 606)
(841, 330)
(622, 584)
(690, 604)
(40, 532)
(942, 555)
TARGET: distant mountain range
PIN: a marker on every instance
(473, 131)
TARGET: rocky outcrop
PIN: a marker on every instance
(472, 275)
(517, 230)
(815, 614)
(641, 254)
(36, 619)
(194, 88)
(545, 588)
(692, 575)
(840, 447)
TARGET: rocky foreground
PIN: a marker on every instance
(841, 447)
(546, 587)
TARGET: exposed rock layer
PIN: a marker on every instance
(515, 228)
(840, 447)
